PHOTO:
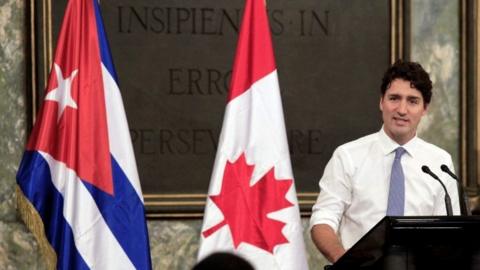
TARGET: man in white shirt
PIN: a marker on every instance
(380, 174)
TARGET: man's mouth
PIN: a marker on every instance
(400, 120)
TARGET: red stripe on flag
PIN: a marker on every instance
(79, 138)
(254, 57)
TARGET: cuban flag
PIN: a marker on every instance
(252, 208)
(78, 185)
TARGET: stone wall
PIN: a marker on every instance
(174, 244)
(18, 249)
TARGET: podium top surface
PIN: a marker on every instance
(413, 233)
(430, 221)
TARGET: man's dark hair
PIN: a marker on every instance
(412, 72)
(223, 261)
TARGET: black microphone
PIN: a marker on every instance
(448, 203)
(464, 209)
(447, 170)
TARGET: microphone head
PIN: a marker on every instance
(447, 170)
(444, 168)
(427, 170)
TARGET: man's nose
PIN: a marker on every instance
(402, 107)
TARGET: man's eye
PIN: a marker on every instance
(414, 101)
(393, 98)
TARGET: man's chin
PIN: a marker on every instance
(401, 133)
(401, 128)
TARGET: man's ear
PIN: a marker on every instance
(380, 105)
(425, 107)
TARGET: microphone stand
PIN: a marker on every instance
(462, 196)
(465, 210)
(448, 202)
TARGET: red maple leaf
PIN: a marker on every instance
(245, 208)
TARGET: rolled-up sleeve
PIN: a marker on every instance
(335, 192)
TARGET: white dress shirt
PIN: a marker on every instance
(354, 187)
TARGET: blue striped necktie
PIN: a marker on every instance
(396, 194)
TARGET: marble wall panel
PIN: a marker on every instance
(435, 45)
(174, 244)
(18, 249)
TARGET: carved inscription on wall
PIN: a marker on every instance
(174, 61)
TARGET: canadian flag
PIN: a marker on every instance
(252, 207)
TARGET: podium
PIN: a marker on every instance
(417, 243)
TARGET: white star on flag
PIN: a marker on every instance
(62, 94)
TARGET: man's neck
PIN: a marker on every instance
(401, 140)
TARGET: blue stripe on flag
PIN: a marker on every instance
(104, 46)
(34, 179)
(124, 214)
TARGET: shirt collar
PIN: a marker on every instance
(389, 145)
